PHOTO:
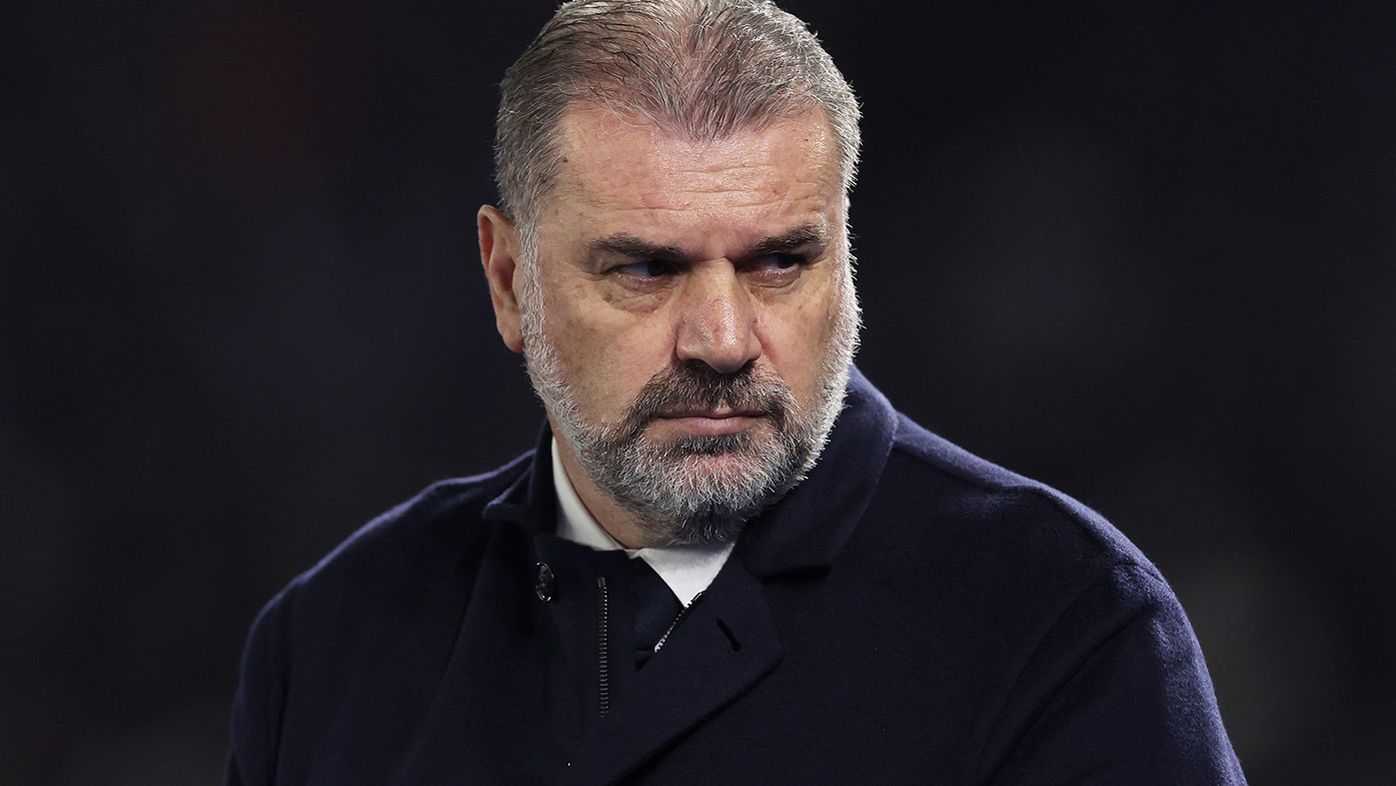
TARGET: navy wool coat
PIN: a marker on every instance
(908, 614)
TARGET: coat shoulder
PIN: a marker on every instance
(945, 491)
(945, 523)
(381, 603)
(415, 542)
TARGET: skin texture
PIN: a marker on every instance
(617, 316)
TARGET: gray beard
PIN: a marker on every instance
(665, 486)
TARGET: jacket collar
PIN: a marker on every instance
(529, 499)
(802, 532)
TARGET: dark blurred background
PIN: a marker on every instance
(1144, 251)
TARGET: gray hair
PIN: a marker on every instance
(702, 69)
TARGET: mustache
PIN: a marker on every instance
(696, 385)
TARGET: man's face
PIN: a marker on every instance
(690, 317)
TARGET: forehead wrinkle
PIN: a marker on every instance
(656, 150)
(643, 207)
(637, 179)
(659, 186)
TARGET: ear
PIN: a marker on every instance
(499, 254)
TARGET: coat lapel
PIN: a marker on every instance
(724, 646)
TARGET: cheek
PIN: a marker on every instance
(629, 358)
(795, 336)
(609, 354)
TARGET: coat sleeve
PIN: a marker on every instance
(260, 698)
(1115, 692)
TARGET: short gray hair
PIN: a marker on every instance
(702, 69)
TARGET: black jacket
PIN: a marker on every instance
(908, 614)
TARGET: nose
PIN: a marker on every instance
(717, 319)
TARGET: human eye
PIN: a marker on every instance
(775, 268)
(776, 262)
(645, 270)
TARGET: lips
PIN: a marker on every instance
(713, 414)
(700, 421)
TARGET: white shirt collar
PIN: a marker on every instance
(688, 570)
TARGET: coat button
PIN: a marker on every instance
(545, 583)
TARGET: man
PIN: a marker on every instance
(728, 560)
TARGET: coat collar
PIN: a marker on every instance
(529, 499)
(803, 531)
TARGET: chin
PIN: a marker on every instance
(704, 471)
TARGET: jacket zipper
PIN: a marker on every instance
(682, 613)
(603, 668)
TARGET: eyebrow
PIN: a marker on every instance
(625, 244)
(631, 246)
(799, 237)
